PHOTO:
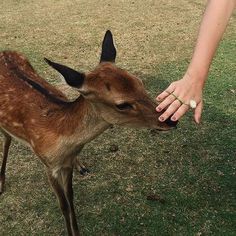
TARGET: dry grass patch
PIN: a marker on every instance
(192, 169)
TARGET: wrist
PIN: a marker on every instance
(196, 76)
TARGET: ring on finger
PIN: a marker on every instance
(192, 104)
(178, 98)
(168, 92)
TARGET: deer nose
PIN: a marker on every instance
(171, 123)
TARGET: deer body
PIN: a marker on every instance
(56, 129)
(30, 117)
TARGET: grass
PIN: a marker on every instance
(192, 169)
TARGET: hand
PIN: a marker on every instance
(175, 99)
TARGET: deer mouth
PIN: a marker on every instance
(171, 123)
(167, 125)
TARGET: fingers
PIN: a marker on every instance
(171, 109)
(177, 109)
(166, 102)
(176, 100)
(180, 112)
(166, 93)
(198, 112)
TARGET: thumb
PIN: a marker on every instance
(198, 112)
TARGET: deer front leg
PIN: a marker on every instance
(6, 146)
(62, 186)
(67, 176)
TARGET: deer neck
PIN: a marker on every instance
(82, 121)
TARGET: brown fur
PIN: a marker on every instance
(56, 129)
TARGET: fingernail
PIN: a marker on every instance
(158, 99)
(173, 118)
(158, 109)
(161, 118)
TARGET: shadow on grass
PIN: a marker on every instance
(193, 169)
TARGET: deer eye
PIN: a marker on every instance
(124, 106)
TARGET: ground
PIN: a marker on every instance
(192, 169)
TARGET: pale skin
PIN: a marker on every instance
(190, 87)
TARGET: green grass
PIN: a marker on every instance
(192, 168)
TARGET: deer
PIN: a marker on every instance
(56, 128)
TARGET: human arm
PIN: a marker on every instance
(190, 87)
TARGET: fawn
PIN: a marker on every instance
(55, 128)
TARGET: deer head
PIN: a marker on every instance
(119, 97)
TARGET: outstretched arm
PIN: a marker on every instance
(190, 87)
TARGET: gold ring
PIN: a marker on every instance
(168, 92)
(191, 104)
(177, 98)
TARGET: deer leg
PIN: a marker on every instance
(67, 176)
(59, 191)
(6, 145)
(60, 183)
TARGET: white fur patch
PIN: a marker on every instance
(55, 171)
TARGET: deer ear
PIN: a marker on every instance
(72, 77)
(108, 49)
